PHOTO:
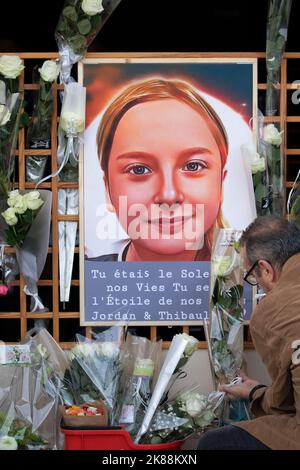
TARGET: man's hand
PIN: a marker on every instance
(241, 390)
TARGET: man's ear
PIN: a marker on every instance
(108, 202)
(268, 269)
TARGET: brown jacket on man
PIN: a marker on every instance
(275, 325)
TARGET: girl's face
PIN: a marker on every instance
(165, 159)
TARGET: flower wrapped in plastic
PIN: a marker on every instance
(70, 137)
(29, 400)
(293, 203)
(224, 330)
(10, 112)
(79, 23)
(25, 225)
(8, 270)
(185, 414)
(225, 335)
(181, 348)
(93, 373)
(140, 364)
(277, 29)
(39, 130)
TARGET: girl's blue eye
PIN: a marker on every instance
(194, 166)
(139, 170)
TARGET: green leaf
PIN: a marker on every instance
(78, 43)
(70, 13)
(24, 120)
(84, 26)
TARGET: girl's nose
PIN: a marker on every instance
(169, 190)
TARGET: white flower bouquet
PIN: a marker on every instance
(225, 327)
(93, 373)
(140, 364)
(25, 225)
(185, 414)
(79, 23)
(39, 130)
(29, 399)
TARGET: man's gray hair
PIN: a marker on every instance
(271, 238)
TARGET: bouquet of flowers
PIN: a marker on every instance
(277, 28)
(225, 324)
(140, 362)
(20, 214)
(181, 348)
(28, 399)
(25, 225)
(39, 131)
(93, 373)
(293, 203)
(79, 23)
(224, 330)
(10, 111)
(187, 413)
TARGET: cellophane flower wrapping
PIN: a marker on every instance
(39, 129)
(226, 306)
(293, 203)
(188, 412)
(141, 360)
(224, 330)
(94, 373)
(10, 112)
(181, 348)
(277, 30)
(77, 27)
(29, 397)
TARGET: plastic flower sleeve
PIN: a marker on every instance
(8, 270)
(293, 203)
(277, 28)
(39, 130)
(94, 372)
(28, 399)
(9, 127)
(68, 202)
(33, 252)
(188, 412)
(76, 29)
(226, 306)
(140, 359)
(175, 352)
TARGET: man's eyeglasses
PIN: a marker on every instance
(249, 277)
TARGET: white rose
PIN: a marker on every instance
(19, 204)
(68, 120)
(222, 265)
(10, 216)
(33, 200)
(4, 115)
(49, 70)
(92, 7)
(195, 405)
(272, 135)
(258, 163)
(11, 66)
(13, 197)
(191, 346)
(206, 419)
(8, 443)
(109, 349)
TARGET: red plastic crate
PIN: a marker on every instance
(108, 439)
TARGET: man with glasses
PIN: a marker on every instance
(271, 253)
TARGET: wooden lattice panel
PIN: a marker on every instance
(63, 324)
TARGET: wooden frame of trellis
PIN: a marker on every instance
(23, 316)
